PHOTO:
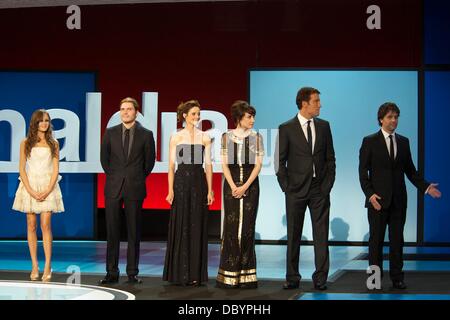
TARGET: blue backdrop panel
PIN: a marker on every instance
(437, 31)
(437, 155)
(25, 92)
(350, 101)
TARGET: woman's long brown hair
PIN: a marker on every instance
(32, 136)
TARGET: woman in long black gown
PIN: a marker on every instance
(190, 194)
(242, 152)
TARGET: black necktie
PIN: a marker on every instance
(391, 148)
(309, 135)
(126, 143)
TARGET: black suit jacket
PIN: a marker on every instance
(377, 174)
(295, 161)
(131, 172)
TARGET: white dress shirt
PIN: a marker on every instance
(388, 142)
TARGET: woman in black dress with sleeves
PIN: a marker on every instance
(242, 152)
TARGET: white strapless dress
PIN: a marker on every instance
(39, 170)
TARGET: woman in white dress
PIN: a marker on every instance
(38, 191)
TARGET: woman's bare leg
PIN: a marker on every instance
(47, 239)
(32, 241)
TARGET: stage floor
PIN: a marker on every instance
(346, 279)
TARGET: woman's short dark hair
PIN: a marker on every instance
(385, 108)
(239, 108)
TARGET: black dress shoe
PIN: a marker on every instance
(291, 285)
(134, 280)
(108, 279)
(320, 286)
(399, 285)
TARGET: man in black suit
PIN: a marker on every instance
(127, 157)
(306, 172)
(384, 159)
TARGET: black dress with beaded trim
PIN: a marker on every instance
(237, 256)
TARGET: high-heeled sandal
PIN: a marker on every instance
(194, 283)
(34, 276)
(47, 277)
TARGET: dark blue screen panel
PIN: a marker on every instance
(437, 31)
(437, 155)
(22, 93)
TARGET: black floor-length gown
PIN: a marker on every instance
(187, 244)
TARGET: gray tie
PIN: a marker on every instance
(126, 143)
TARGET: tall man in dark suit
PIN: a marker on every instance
(306, 172)
(384, 159)
(127, 157)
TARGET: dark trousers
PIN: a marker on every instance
(113, 209)
(395, 218)
(319, 207)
